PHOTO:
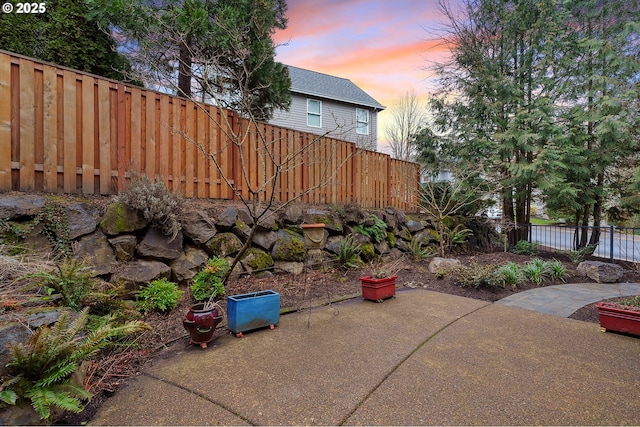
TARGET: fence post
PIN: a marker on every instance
(611, 230)
(530, 232)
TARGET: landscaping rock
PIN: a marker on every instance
(156, 245)
(138, 273)
(292, 214)
(223, 244)
(124, 247)
(601, 272)
(333, 244)
(241, 230)
(188, 264)
(256, 260)
(382, 248)
(17, 207)
(414, 226)
(438, 264)
(12, 332)
(294, 268)
(227, 219)
(95, 249)
(119, 218)
(82, 220)
(199, 227)
(265, 239)
(289, 246)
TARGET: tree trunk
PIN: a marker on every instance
(184, 68)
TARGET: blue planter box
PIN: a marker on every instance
(254, 310)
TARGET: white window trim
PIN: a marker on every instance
(364, 131)
(314, 113)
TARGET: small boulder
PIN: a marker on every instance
(227, 219)
(291, 267)
(265, 239)
(156, 245)
(16, 207)
(119, 218)
(289, 247)
(188, 264)
(223, 244)
(96, 250)
(82, 220)
(601, 272)
(138, 273)
(124, 247)
(199, 227)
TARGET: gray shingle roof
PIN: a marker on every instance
(312, 83)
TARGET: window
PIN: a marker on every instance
(314, 115)
(362, 121)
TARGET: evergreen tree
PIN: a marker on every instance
(63, 35)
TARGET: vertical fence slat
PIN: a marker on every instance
(5, 122)
(104, 136)
(150, 136)
(50, 128)
(70, 136)
(27, 126)
(87, 145)
(163, 141)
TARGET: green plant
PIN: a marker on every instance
(511, 274)
(556, 270)
(536, 271)
(41, 369)
(524, 247)
(476, 276)
(207, 284)
(419, 251)
(348, 255)
(576, 256)
(633, 301)
(55, 225)
(376, 232)
(73, 279)
(159, 294)
(156, 203)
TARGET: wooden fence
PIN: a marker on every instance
(66, 131)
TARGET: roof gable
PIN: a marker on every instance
(312, 83)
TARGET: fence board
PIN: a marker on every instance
(50, 128)
(104, 136)
(69, 132)
(150, 135)
(27, 126)
(5, 122)
(88, 136)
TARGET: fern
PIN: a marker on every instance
(41, 369)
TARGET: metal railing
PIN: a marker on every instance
(614, 243)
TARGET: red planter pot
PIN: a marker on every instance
(201, 324)
(619, 318)
(378, 289)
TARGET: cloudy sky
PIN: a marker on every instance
(382, 46)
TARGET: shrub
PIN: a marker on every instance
(376, 232)
(536, 271)
(41, 369)
(476, 276)
(556, 270)
(524, 247)
(74, 280)
(578, 255)
(419, 251)
(208, 282)
(349, 253)
(511, 274)
(159, 294)
(157, 204)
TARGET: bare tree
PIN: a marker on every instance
(408, 118)
(244, 133)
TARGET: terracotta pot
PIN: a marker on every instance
(378, 289)
(201, 323)
(619, 318)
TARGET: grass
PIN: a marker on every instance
(541, 221)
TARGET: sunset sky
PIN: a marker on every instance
(382, 46)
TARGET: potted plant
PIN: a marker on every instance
(203, 317)
(253, 310)
(620, 317)
(381, 283)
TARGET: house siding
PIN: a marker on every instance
(338, 120)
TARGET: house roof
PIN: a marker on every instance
(312, 83)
